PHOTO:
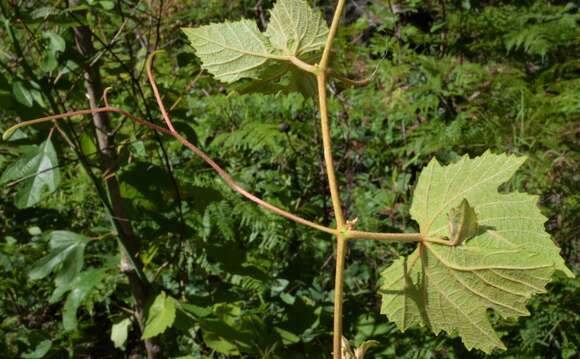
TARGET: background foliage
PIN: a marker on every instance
(450, 78)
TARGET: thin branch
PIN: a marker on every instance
(106, 98)
(362, 82)
(226, 177)
(165, 156)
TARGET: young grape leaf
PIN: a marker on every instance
(295, 29)
(160, 316)
(236, 50)
(451, 287)
(38, 172)
(462, 223)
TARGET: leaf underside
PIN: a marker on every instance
(295, 29)
(510, 258)
(230, 50)
(237, 50)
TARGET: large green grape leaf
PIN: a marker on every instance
(509, 259)
(296, 29)
(236, 50)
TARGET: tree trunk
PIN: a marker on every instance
(140, 288)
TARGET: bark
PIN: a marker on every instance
(140, 288)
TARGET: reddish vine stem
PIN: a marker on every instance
(226, 177)
(156, 92)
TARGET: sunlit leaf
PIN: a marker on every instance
(236, 50)
(119, 332)
(37, 172)
(22, 94)
(55, 42)
(230, 50)
(296, 29)
(510, 259)
(80, 288)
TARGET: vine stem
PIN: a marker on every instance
(327, 147)
(226, 177)
(153, 84)
(341, 239)
(338, 215)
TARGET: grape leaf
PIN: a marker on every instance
(295, 29)
(510, 258)
(282, 78)
(462, 223)
(236, 50)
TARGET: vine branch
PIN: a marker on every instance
(156, 91)
(341, 239)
